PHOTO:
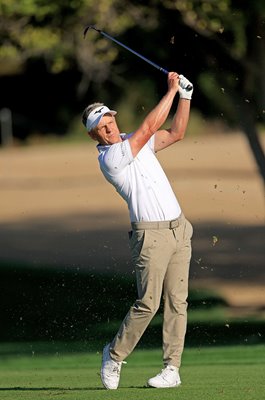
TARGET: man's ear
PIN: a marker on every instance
(92, 135)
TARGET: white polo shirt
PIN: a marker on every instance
(141, 181)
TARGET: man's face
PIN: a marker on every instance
(107, 131)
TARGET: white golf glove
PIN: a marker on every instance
(185, 88)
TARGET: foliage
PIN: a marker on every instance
(232, 34)
(237, 31)
(219, 44)
(53, 31)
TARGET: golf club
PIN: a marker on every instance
(129, 49)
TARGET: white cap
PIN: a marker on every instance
(95, 116)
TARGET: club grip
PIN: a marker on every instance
(189, 88)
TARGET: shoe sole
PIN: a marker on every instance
(163, 387)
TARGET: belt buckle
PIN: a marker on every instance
(171, 224)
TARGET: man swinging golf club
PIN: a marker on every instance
(160, 239)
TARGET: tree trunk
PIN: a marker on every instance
(252, 108)
(248, 125)
(257, 150)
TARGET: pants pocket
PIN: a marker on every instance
(136, 243)
(188, 230)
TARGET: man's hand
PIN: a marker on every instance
(184, 84)
(173, 81)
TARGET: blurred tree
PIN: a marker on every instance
(218, 43)
(42, 51)
(233, 49)
(53, 31)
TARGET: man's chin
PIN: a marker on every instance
(113, 140)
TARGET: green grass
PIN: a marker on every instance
(227, 373)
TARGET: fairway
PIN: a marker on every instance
(207, 373)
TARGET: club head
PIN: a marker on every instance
(90, 27)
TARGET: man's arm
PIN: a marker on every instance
(156, 117)
(166, 137)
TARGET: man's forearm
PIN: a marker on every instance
(152, 122)
(180, 119)
(159, 114)
(156, 117)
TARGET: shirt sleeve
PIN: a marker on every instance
(151, 143)
(116, 157)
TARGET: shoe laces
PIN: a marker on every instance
(166, 371)
(117, 367)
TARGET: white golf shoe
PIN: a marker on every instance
(167, 378)
(110, 370)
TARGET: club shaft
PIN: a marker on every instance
(190, 87)
(134, 52)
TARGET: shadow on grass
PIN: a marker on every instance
(64, 389)
(61, 389)
(83, 311)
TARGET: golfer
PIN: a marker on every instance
(160, 239)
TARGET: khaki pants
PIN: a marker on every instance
(161, 258)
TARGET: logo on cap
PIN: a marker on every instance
(98, 111)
